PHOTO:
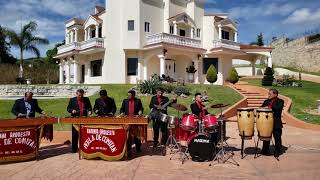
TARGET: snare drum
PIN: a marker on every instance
(189, 122)
(265, 124)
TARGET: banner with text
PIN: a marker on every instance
(18, 144)
(107, 142)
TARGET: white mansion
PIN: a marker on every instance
(131, 40)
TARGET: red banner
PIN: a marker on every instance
(18, 144)
(104, 141)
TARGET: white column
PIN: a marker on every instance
(236, 36)
(220, 31)
(85, 34)
(61, 80)
(140, 67)
(89, 33)
(196, 74)
(97, 31)
(192, 32)
(75, 72)
(253, 65)
(76, 35)
(67, 72)
(162, 65)
(145, 70)
(72, 36)
(175, 30)
(269, 61)
(89, 69)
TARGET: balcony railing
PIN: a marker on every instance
(224, 43)
(84, 45)
(172, 39)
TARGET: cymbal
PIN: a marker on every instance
(219, 105)
(179, 107)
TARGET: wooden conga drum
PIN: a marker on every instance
(245, 118)
(265, 124)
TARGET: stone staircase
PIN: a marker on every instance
(255, 96)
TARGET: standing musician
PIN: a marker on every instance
(26, 107)
(105, 105)
(132, 106)
(157, 105)
(78, 106)
(276, 104)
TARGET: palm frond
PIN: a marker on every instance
(33, 49)
(38, 40)
(14, 38)
(30, 27)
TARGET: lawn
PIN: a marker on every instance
(302, 98)
(57, 107)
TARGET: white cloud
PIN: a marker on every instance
(50, 16)
(303, 16)
(263, 9)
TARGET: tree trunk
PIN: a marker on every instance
(21, 65)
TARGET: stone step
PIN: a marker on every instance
(254, 104)
(256, 97)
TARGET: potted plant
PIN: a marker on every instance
(191, 70)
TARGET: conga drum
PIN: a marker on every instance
(265, 124)
(245, 118)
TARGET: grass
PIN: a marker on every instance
(302, 98)
(57, 107)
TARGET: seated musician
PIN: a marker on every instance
(26, 107)
(78, 106)
(130, 107)
(200, 110)
(105, 105)
(157, 104)
(276, 104)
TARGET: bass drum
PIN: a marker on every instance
(201, 148)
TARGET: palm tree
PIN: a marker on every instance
(26, 41)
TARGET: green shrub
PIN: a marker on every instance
(268, 77)
(212, 74)
(233, 76)
(168, 88)
(181, 90)
(149, 86)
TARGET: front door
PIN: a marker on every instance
(170, 68)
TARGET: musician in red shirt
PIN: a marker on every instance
(78, 106)
(132, 106)
(276, 104)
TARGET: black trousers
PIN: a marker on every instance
(75, 137)
(277, 133)
(164, 129)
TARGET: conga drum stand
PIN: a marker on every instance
(243, 138)
(223, 155)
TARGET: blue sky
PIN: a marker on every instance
(290, 18)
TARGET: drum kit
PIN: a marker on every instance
(247, 117)
(196, 132)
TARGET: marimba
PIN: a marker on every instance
(20, 138)
(106, 137)
(23, 122)
(105, 120)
